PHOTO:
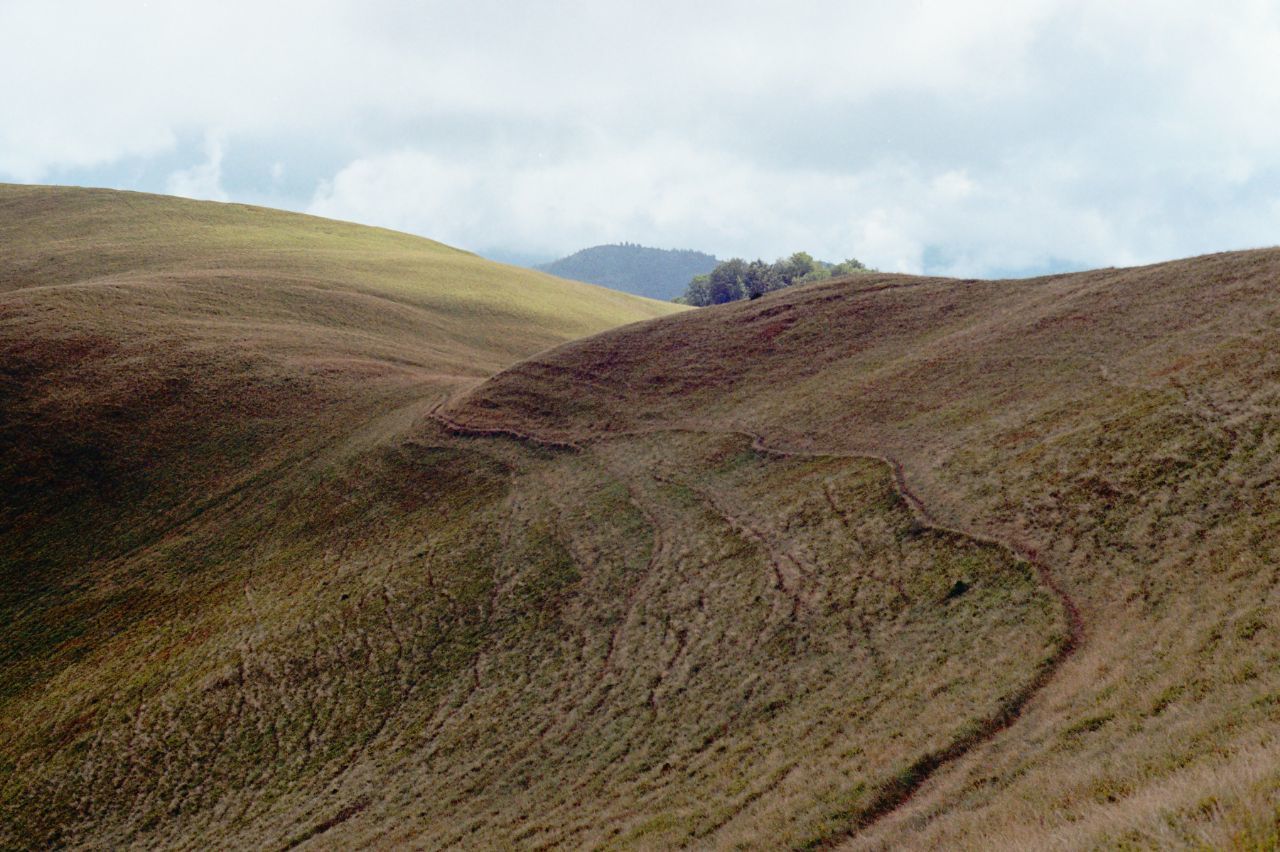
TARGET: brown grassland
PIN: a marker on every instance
(308, 540)
(1119, 426)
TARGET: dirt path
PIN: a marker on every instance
(906, 783)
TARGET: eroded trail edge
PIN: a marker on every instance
(897, 792)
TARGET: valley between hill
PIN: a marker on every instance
(311, 542)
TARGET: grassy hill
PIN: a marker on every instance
(156, 350)
(298, 553)
(655, 273)
(1115, 428)
(191, 397)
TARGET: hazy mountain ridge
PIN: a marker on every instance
(652, 272)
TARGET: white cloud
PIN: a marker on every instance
(669, 193)
(653, 192)
(203, 180)
(972, 135)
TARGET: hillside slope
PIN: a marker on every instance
(887, 562)
(257, 596)
(655, 273)
(190, 392)
(1119, 427)
(156, 350)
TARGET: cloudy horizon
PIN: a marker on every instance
(971, 138)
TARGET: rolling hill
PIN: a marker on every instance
(1115, 429)
(157, 350)
(174, 376)
(655, 273)
(310, 541)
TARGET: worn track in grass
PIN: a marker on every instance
(908, 781)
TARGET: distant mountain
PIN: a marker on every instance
(656, 273)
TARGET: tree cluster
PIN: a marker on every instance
(736, 279)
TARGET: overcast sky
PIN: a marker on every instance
(965, 137)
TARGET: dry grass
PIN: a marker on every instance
(1121, 424)
(256, 596)
(161, 355)
(191, 395)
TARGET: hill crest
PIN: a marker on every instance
(656, 273)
